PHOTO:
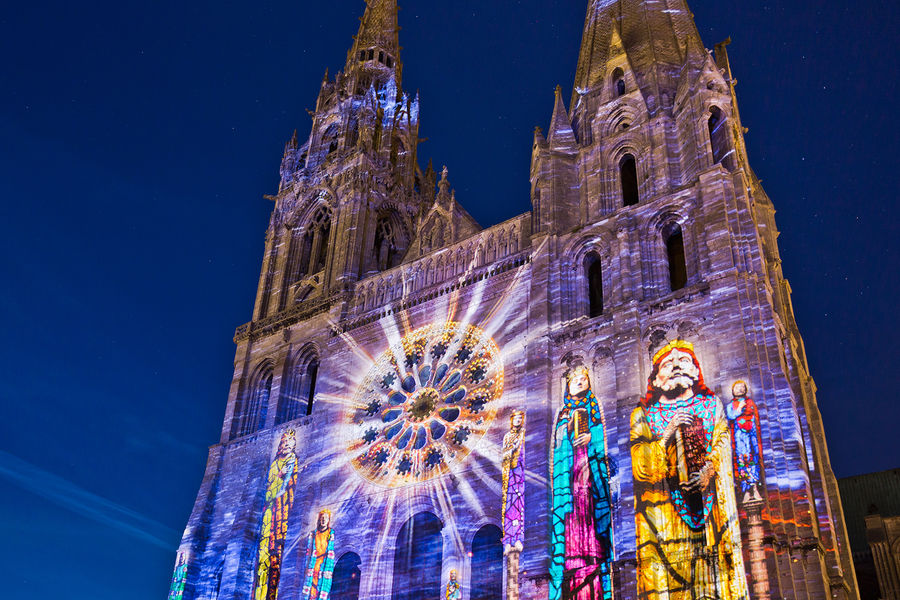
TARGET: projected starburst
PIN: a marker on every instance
(428, 398)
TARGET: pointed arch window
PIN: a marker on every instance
(618, 79)
(629, 180)
(256, 404)
(487, 564)
(345, 581)
(674, 241)
(385, 247)
(418, 559)
(330, 139)
(718, 139)
(315, 242)
(593, 271)
(299, 389)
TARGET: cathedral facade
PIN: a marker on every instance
(605, 397)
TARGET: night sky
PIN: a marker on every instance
(138, 141)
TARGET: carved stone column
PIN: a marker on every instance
(512, 574)
(759, 574)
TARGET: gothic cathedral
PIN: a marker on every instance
(604, 398)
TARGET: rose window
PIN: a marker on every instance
(424, 403)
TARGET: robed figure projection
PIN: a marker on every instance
(279, 500)
(513, 500)
(688, 539)
(580, 536)
(319, 559)
(746, 438)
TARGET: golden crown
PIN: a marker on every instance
(673, 345)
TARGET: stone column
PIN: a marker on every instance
(512, 574)
(759, 574)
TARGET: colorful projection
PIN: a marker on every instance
(176, 590)
(688, 540)
(513, 479)
(746, 440)
(319, 560)
(581, 516)
(453, 590)
(279, 500)
(424, 403)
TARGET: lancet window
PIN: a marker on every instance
(674, 240)
(315, 242)
(593, 270)
(385, 247)
(718, 139)
(629, 180)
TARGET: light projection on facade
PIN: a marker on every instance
(581, 537)
(688, 539)
(512, 504)
(454, 591)
(424, 403)
(319, 559)
(176, 590)
(429, 338)
(746, 442)
(279, 499)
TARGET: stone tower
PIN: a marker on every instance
(605, 397)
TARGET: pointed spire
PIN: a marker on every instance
(561, 136)
(653, 34)
(291, 144)
(378, 37)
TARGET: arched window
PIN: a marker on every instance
(618, 79)
(385, 247)
(593, 271)
(487, 564)
(674, 240)
(629, 180)
(299, 388)
(345, 580)
(718, 138)
(418, 559)
(315, 242)
(330, 140)
(257, 402)
(312, 374)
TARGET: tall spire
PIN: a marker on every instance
(378, 40)
(653, 34)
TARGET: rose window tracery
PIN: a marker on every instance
(424, 404)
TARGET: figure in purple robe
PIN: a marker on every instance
(513, 473)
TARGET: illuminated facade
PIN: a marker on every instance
(605, 397)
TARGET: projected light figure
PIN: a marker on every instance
(453, 589)
(319, 559)
(279, 499)
(746, 438)
(581, 548)
(688, 541)
(513, 500)
(176, 590)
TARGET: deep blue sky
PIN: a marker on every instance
(137, 143)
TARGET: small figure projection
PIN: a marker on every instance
(746, 442)
(319, 559)
(454, 592)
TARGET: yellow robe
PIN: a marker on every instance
(676, 562)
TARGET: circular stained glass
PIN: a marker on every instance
(424, 403)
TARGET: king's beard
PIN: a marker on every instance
(675, 386)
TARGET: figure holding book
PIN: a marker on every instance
(581, 548)
(688, 539)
